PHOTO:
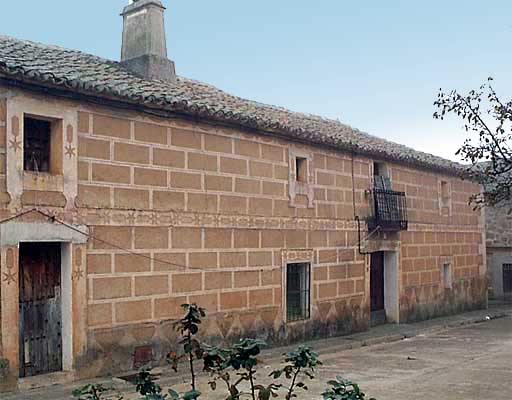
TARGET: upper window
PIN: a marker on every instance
(301, 169)
(42, 145)
(381, 176)
(380, 169)
(300, 178)
(445, 197)
(37, 142)
(298, 287)
(445, 192)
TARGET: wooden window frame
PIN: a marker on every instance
(445, 199)
(55, 145)
(305, 185)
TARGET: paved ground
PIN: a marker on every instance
(472, 362)
(455, 358)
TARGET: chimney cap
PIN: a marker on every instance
(135, 5)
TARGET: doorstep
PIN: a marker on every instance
(45, 381)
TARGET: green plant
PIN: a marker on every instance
(242, 358)
(190, 395)
(215, 362)
(145, 383)
(4, 368)
(232, 366)
(342, 389)
(188, 326)
(302, 361)
(95, 392)
(265, 392)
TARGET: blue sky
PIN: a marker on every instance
(376, 65)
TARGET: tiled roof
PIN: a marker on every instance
(79, 72)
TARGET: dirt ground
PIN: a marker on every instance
(468, 363)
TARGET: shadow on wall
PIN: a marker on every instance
(427, 302)
(111, 351)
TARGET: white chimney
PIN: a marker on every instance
(144, 49)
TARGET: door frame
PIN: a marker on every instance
(26, 272)
(391, 287)
(391, 283)
(73, 287)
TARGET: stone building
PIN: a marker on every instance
(126, 191)
(498, 223)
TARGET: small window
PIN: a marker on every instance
(301, 169)
(37, 145)
(381, 179)
(445, 194)
(447, 275)
(298, 291)
(380, 169)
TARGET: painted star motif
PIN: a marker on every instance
(70, 151)
(9, 277)
(15, 144)
(153, 218)
(104, 216)
(77, 274)
(130, 218)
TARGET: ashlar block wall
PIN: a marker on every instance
(182, 211)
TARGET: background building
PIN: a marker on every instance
(498, 222)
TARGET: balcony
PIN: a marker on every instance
(389, 211)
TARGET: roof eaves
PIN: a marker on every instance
(122, 95)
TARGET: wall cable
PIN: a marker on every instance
(54, 219)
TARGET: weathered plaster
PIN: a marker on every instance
(74, 286)
(19, 105)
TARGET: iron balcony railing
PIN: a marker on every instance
(389, 211)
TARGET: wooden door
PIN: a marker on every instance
(377, 281)
(40, 309)
(507, 278)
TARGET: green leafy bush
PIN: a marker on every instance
(95, 392)
(146, 386)
(342, 389)
(302, 361)
(240, 358)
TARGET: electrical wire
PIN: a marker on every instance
(54, 219)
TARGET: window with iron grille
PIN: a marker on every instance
(36, 145)
(298, 286)
(389, 210)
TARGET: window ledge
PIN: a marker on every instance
(43, 182)
(299, 322)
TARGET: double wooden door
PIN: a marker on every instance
(40, 309)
